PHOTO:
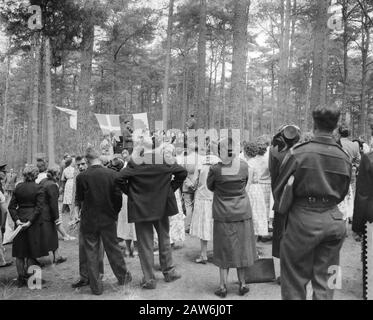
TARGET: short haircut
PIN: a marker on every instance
(326, 118)
(79, 158)
(344, 131)
(30, 173)
(41, 164)
(91, 154)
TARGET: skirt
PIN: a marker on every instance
(347, 205)
(49, 236)
(259, 209)
(202, 223)
(268, 199)
(125, 230)
(234, 244)
(27, 244)
(177, 224)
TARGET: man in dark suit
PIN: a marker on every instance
(81, 164)
(101, 202)
(150, 184)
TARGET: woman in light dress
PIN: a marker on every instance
(126, 231)
(255, 190)
(177, 226)
(67, 178)
(202, 222)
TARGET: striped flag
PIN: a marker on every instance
(109, 123)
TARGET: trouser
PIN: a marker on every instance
(309, 252)
(145, 246)
(83, 268)
(91, 240)
(189, 206)
(278, 229)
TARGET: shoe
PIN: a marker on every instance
(21, 282)
(149, 285)
(243, 289)
(172, 276)
(201, 260)
(60, 260)
(79, 284)
(222, 293)
(127, 279)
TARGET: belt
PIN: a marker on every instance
(320, 202)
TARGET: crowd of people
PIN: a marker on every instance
(228, 193)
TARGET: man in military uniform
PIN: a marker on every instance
(315, 228)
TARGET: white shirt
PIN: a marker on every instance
(41, 177)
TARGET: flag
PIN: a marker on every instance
(73, 117)
(140, 121)
(109, 123)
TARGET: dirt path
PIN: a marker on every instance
(198, 281)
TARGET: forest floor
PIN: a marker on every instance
(198, 282)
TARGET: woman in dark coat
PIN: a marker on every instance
(50, 215)
(25, 208)
(233, 234)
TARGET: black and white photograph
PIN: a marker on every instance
(208, 151)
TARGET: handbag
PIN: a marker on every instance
(286, 200)
(262, 271)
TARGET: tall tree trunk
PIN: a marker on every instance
(283, 94)
(365, 45)
(320, 56)
(185, 96)
(167, 68)
(200, 103)
(35, 102)
(222, 81)
(239, 61)
(85, 84)
(345, 58)
(48, 102)
(5, 117)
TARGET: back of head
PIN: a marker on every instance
(52, 173)
(41, 164)
(326, 118)
(91, 154)
(30, 173)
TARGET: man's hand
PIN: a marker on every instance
(357, 236)
(26, 225)
(19, 223)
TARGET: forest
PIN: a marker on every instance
(246, 64)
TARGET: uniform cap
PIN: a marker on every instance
(291, 132)
(2, 167)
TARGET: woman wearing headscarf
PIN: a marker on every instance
(25, 208)
(233, 234)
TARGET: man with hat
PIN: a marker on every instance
(315, 229)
